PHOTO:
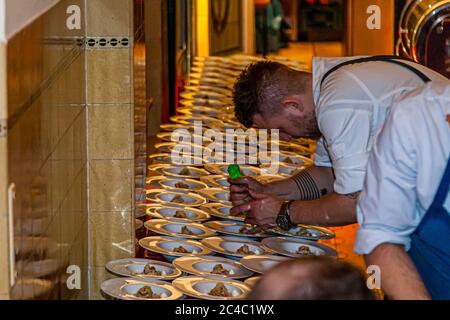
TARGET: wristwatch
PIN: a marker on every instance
(284, 216)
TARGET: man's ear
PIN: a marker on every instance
(294, 103)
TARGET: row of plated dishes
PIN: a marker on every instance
(210, 253)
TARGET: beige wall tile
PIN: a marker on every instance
(4, 257)
(112, 236)
(111, 185)
(98, 275)
(108, 18)
(109, 76)
(110, 135)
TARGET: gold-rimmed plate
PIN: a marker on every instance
(222, 211)
(188, 172)
(211, 266)
(298, 248)
(201, 287)
(235, 247)
(216, 181)
(178, 214)
(170, 247)
(178, 229)
(143, 269)
(235, 228)
(182, 185)
(127, 288)
(178, 199)
(263, 263)
(217, 195)
(305, 232)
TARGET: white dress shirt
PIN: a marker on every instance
(405, 168)
(351, 107)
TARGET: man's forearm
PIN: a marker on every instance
(399, 277)
(331, 210)
(310, 184)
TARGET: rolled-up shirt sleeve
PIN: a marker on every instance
(348, 136)
(321, 157)
(386, 207)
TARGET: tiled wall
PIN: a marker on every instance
(46, 150)
(111, 135)
(69, 149)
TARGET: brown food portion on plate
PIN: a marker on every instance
(181, 185)
(180, 214)
(304, 251)
(219, 269)
(177, 199)
(304, 233)
(220, 291)
(147, 293)
(186, 230)
(180, 249)
(151, 270)
(245, 249)
(184, 172)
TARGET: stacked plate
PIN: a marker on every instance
(210, 253)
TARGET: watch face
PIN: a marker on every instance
(283, 222)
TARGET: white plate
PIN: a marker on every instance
(166, 246)
(207, 122)
(192, 214)
(222, 211)
(311, 232)
(174, 229)
(134, 268)
(126, 288)
(232, 228)
(202, 95)
(217, 195)
(199, 287)
(152, 193)
(157, 169)
(153, 181)
(251, 282)
(182, 185)
(184, 172)
(203, 266)
(228, 246)
(208, 103)
(189, 199)
(216, 181)
(289, 246)
(262, 264)
(197, 88)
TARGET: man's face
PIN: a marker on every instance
(291, 122)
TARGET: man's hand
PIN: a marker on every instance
(239, 190)
(262, 210)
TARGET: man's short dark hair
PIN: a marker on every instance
(325, 279)
(264, 83)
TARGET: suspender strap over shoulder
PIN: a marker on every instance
(385, 58)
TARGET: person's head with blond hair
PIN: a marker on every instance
(315, 278)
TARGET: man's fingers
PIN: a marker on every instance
(241, 208)
(239, 196)
(257, 195)
(238, 189)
